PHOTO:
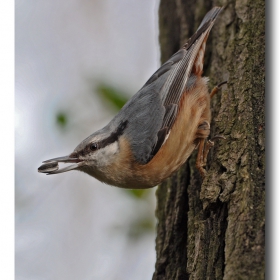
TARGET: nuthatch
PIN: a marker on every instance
(157, 129)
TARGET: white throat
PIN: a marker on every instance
(106, 155)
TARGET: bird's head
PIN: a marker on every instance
(93, 154)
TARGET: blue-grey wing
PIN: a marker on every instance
(151, 112)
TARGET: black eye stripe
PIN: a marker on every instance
(111, 139)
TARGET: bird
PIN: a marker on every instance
(157, 130)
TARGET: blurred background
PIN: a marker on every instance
(76, 63)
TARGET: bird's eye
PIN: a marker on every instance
(93, 147)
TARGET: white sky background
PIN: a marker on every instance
(70, 226)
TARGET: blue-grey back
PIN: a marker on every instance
(151, 112)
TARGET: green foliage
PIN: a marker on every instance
(61, 119)
(112, 96)
(137, 193)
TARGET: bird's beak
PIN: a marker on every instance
(51, 166)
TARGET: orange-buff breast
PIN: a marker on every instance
(194, 109)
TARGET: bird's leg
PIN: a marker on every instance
(202, 134)
(208, 145)
(200, 158)
(204, 145)
(203, 150)
(217, 88)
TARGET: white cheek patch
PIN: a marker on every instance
(106, 155)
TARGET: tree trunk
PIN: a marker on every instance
(215, 229)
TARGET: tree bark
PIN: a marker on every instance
(215, 229)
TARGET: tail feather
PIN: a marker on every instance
(208, 21)
(211, 15)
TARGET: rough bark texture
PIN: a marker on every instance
(215, 229)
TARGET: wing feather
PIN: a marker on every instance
(152, 111)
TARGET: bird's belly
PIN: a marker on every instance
(194, 109)
(127, 173)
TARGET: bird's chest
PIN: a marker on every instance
(193, 110)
